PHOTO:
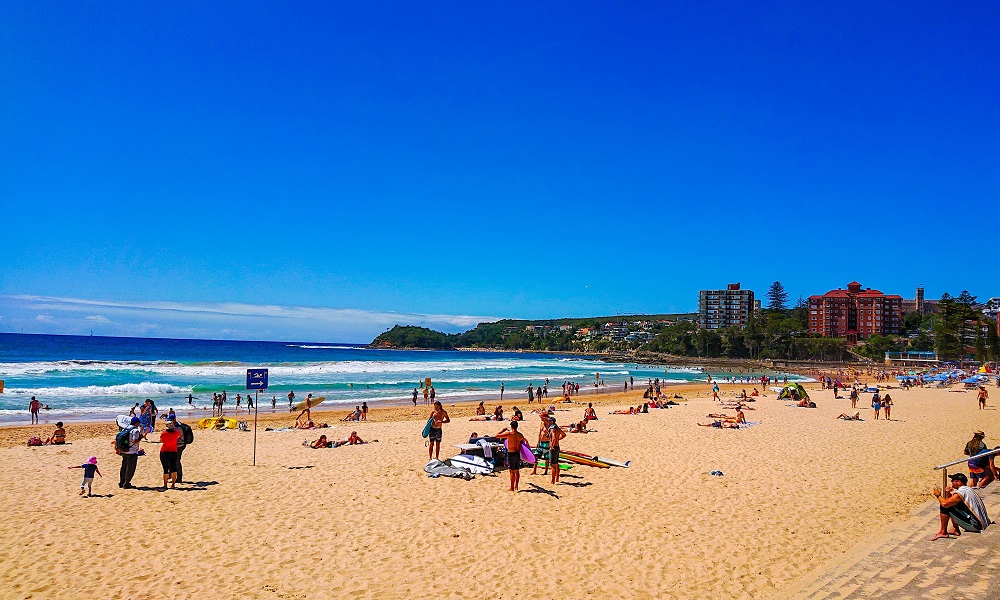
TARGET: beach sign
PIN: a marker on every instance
(1, 386)
(427, 382)
(256, 379)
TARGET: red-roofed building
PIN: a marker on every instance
(855, 313)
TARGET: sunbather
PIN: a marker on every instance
(721, 424)
(580, 427)
(847, 417)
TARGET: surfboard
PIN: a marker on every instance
(477, 465)
(613, 463)
(588, 457)
(310, 403)
(545, 465)
(583, 461)
(527, 456)
(427, 428)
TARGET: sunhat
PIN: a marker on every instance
(92, 460)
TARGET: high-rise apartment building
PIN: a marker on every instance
(855, 313)
(718, 309)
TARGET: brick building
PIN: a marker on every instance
(855, 313)
(718, 309)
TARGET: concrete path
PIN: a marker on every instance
(903, 563)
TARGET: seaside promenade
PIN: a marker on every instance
(902, 563)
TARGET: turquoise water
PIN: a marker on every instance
(90, 376)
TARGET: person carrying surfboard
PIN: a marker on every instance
(514, 440)
(439, 416)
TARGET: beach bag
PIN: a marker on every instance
(123, 440)
(187, 434)
(35, 441)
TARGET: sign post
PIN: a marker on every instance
(256, 380)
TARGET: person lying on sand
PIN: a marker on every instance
(805, 403)
(847, 417)
(721, 424)
(322, 442)
(310, 425)
(580, 427)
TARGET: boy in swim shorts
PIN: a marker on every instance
(514, 440)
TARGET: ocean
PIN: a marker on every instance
(81, 377)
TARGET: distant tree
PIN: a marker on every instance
(992, 339)
(777, 297)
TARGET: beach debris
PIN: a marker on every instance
(717, 473)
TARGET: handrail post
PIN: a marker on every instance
(944, 478)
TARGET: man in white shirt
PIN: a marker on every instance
(959, 498)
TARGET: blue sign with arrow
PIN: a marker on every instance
(256, 379)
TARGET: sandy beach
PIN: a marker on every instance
(366, 521)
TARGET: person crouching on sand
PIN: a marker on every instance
(514, 440)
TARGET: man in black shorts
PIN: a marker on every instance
(555, 435)
(439, 417)
(514, 440)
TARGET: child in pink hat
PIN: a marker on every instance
(89, 468)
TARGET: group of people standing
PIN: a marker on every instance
(172, 444)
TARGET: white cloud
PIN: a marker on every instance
(223, 320)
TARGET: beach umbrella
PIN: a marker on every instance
(787, 391)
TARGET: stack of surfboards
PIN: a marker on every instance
(591, 461)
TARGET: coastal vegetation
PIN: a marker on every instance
(957, 330)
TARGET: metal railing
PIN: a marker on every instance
(944, 467)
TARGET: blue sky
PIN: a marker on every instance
(443, 162)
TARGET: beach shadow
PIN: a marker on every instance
(200, 484)
(187, 489)
(569, 476)
(304, 467)
(535, 489)
(578, 484)
(100, 496)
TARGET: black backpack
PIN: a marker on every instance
(186, 433)
(123, 441)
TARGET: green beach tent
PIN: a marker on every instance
(787, 391)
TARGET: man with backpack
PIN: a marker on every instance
(187, 436)
(127, 445)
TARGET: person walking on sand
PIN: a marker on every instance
(501, 391)
(514, 440)
(364, 411)
(131, 456)
(426, 394)
(33, 407)
(983, 395)
(854, 397)
(439, 417)
(555, 436)
(887, 406)
(414, 396)
(168, 452)
(876, 404)
(89, 468)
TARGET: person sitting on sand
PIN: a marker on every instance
(480, 410)
(960, 495)
(755, 393)
(498, 413)
(847, 417)
(517, 416)
(354, 415)
(740, 417)
(58, 436)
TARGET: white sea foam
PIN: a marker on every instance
(146, 388)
